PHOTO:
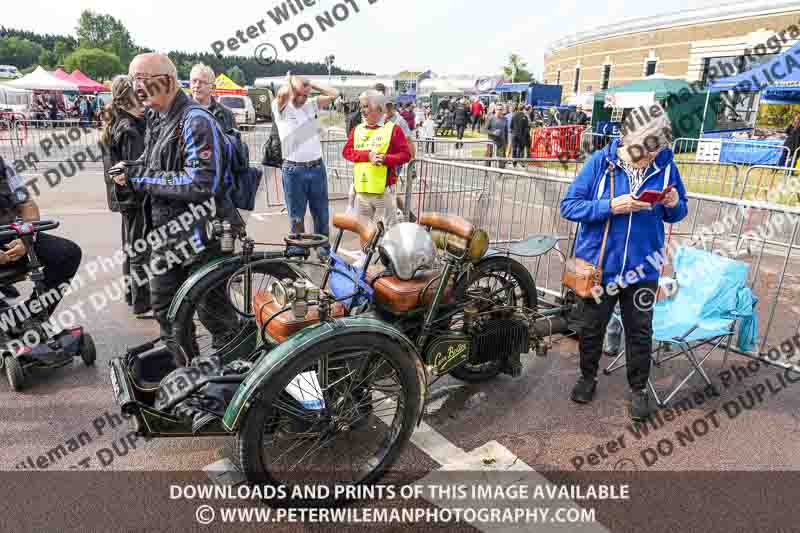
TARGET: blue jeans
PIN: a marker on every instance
(303, 186)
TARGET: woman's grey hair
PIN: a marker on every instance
(652, 136)
(375, 99)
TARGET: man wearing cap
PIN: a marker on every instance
(641, 160)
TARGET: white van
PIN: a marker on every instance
(9, 72)
(242, 108)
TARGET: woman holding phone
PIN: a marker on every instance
(641, 161)
(123, 140)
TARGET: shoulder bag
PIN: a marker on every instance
(581, 276)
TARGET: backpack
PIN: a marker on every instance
(273, 153)
(240, 181)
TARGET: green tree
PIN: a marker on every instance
(517, 69)
(106, 33)
(237, 75)
(60, 52)
(19, 52)
(46, 59)
(95, 63)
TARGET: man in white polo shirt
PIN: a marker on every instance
(305, 180)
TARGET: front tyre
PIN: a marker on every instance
(495, 282)
(349, 432)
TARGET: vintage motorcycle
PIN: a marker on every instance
(337, 376)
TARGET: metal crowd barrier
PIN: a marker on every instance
(556, 142)
(512, 204)
(708, 150)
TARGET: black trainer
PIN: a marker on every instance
(583, 392)
(640, 405)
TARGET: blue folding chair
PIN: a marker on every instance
(711, 298)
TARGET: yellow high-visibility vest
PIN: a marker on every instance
(371, 178)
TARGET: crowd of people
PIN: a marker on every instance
(51, 108)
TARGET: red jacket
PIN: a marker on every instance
(398, 153)
(477, 109)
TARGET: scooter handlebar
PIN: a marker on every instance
(22, 229)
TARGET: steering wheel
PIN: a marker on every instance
(306, 240)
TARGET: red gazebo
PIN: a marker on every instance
(85, 83)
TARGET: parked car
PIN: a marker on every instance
(9, 72)
(242, 107)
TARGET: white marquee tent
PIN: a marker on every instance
(41, 80)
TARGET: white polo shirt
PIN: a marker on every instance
(299, 131)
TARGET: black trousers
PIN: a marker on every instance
(214, 311)
(460, 128)
(476, 123)
(135, 225)
(636, 302)
(519, 147)
(60, 258)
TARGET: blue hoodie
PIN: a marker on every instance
(631, 238)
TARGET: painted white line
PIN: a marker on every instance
(224, 472)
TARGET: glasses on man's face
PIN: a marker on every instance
(200, 83)
(143, 79)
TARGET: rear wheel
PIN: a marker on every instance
(88, 350)
(217, 316)
(14, 373)
(348, 432)
(495, 282)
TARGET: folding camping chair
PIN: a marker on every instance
(712, 298)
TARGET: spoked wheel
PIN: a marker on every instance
(217, 316)
(497, 282)
(339, 413)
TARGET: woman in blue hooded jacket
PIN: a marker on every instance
(641, 160)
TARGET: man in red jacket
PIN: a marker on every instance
(477, 114)
(376, 149)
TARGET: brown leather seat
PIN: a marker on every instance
(364, 228)
(285, 325)
(453, 224)
(401, 296)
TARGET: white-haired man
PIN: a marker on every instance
(376, 150)
(305, 180)
(201, 83)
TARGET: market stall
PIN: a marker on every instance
(41, 80)
(776, 81)
(225, 85)
(681, 101)
(85, 83)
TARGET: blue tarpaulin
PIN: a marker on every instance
(752, 152)
(779, 78)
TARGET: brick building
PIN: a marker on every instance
(683, 45)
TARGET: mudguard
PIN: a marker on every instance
(215, 264)
(272, 362)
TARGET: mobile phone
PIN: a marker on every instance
(651, 196)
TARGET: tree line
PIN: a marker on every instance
(103, 47)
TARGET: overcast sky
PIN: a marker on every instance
(447, 36)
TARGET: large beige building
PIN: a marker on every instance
(683, 45)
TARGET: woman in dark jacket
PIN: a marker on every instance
(641, 161)
(123, 139)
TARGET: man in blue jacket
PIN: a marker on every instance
(641, 160)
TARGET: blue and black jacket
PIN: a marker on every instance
(634, 237)
(184, 161)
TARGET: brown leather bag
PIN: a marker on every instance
(582, 276)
